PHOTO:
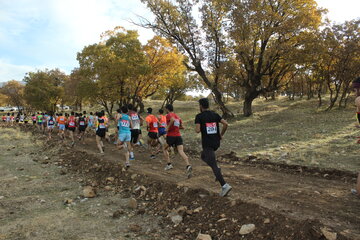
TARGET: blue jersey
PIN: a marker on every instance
(124, 124)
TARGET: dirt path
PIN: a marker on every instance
(297, 196)
(32, 195)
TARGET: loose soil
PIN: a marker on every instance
(283, 201)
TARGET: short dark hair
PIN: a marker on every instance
(72, 113)
(356, 83)
(149, 110)
(124, 109)
(169, 107)
(161, 111)
(204, 102)
(130, 106)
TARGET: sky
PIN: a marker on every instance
(39, 34)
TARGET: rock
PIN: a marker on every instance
(177, 219)
(2, 197)
(181, 210)
(68, 201)
(89, 192)
(118, 213)
(133, 176)
(222, 215)
(110, 179)
(197, 210)
(202, 196)
(141, 211)
(246, 229)
(267, 221)
(133, 204)
(328, 234)
(135, 228)
(203, 237)
(108, 188)
(46, 158)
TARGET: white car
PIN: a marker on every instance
(63, 107)
(6, 109)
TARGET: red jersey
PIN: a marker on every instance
(174, 130)
(72, 122)
(153, 123)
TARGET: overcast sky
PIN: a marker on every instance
(39, 34)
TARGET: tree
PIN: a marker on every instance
(268, 36)
(203, 45)
(44, 89)
(14, 92)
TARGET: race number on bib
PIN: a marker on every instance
(177, 123)
(102, 126)
(71, 124)
(125, 123)
(155, 124)
(134, 117)
(82, 123)
(211, 128)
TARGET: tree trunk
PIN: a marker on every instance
(249, 98)
(218, 99)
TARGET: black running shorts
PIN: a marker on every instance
(174, 141)
(135, 135)
(153, 135)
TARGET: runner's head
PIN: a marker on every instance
(356, 86)
(72, 113)
(124, 109)
(169, 108)
(161, 111)
(130, 107)
(149, 110)
(91, 113)
(204, 104)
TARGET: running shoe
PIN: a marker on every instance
(168, 167)
(225, 190)
(127, 165)
(132, 158)
(189, 171)
(152, 156)
(353, 191)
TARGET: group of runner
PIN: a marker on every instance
(163, 133)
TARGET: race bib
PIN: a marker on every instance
(125, 123)
(163, 125)
(102, 126)
(51, 122)
(134, 117)
(82, 123)
(211, 128)
(71, 124)
(155, 124)
(177, 123)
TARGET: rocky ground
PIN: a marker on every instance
(52, 191)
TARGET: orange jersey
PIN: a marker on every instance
(153, 123)
(61, 120)
(162, 121)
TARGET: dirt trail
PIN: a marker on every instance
(303, 195)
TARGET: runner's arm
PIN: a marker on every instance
(197, 128)
(170, 124)
(224, 127)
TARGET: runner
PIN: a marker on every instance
(33, 118)
(136, 121)
(107, 124)
(152, 124)
(50, 124)
(162, 127)
(100, 131)
(21, 118)
(207, 123)
(4, 118)
(71, 127)
(8, 119)
(26, 119)
(61, 121)
(39, 120)
(125, 125)
(91, 122)
(82, 123)
(12, 119)
(356, 86)
(174, 139)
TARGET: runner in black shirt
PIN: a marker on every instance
(207, 122)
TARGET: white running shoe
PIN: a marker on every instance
(168, 167)
(225, 190)
(189, 171)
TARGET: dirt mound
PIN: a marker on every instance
(265, 163)
(200, 211)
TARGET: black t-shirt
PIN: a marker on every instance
(209, 125)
